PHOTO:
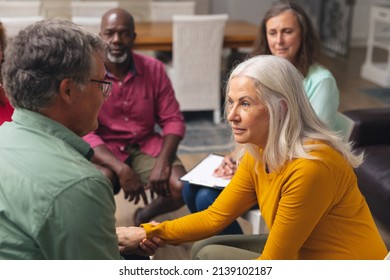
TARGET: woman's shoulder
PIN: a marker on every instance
(318, 71)
(322, 153)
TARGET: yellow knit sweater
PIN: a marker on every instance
(313, 208)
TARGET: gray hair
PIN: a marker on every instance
(292, 120)
(43, 54)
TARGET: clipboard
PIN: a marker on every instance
(202, 173)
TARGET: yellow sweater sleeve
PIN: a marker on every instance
(237, 198)
(313, 209)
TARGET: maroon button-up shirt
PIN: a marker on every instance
(129, 115)
(6, 110)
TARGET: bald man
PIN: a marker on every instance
(127, 147)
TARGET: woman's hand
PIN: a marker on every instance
(226, 169)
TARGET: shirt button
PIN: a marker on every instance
(126, 119)
(122, 148)
(125, 102)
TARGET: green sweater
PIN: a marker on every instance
(54, 204)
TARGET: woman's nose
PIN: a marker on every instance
(232, 114)
(279, 38)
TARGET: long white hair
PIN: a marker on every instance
(292, 120)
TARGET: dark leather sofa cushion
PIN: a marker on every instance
(374, 173)
(372, 133)
(372, 126)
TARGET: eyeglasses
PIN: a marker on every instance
(104, 86)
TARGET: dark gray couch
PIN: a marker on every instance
(372, 133)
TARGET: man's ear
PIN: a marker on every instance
(66, 90)
(133, 36)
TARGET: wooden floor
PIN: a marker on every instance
(347, 74)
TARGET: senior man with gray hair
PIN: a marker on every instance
(54, 204)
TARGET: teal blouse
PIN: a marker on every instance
(323, 93)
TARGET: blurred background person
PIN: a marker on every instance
(128, 149)
(6, 109)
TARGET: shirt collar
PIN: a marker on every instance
(46, 125)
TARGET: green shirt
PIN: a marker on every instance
(54, 204)
(323, 94)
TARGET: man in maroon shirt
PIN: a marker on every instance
(127, 148)
(6, 110)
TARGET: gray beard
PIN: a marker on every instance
(115, 59)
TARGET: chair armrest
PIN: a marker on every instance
(372, 126)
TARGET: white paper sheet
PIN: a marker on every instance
(202, 173)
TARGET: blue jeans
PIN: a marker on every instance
(198, 198)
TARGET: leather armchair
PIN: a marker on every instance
(372, 133)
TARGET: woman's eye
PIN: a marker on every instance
(245, 105)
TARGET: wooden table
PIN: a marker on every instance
(157, 36)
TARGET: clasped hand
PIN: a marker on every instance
(133, 241)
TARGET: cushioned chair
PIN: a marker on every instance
(196, 71)
(372, 134)
(163, 12)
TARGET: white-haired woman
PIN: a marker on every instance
(298, 171)
(287, 31)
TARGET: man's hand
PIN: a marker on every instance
(132, 241)
(159, 178)
(131, 184)
(129, 181)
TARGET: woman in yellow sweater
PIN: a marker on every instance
(297, 170)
